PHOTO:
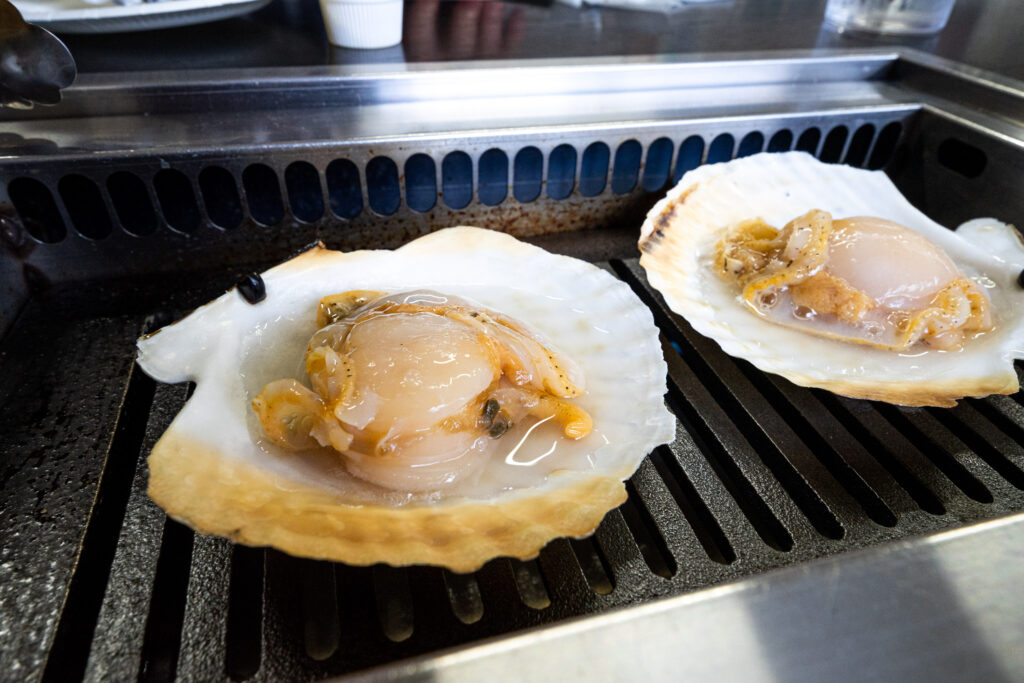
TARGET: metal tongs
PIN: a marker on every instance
(34, 63)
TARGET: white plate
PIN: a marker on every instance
(78, 16)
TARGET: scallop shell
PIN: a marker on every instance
(212, 471)
(681, 231)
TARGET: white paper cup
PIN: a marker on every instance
(364, 24)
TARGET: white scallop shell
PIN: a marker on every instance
(212, 471)
(681, 231)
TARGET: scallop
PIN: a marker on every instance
(826, 275)
(464, 397)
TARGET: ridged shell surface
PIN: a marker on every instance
(679, 237)
(212, 471)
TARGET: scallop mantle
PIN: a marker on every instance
(677, 242)
(211, 471)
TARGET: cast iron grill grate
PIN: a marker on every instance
(761, 474)
(98, 583)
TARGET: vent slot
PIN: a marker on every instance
(493, 177)
(432, 184)
(420, 182)
(721, 148)
(808, 141)
(965, 159)
(832, 150)
(132, 203)
(627, 166)
(752, 143)
(885, 145)
(344, 189)
(304, 194)
(263, 194)
(39, 213)
(781, 141)
(85, 206)
(659, 159)
(594, 169)
(561, 171)
(859, 146)
(528, 175)
(220, 196)
(177, 200)
(691, 152)
(457, 180)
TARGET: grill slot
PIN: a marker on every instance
(160, 646)
(768, 434)
(594, 565)
(761, 474)
(939, 445)
(899, 458)
(991, 445)
(464, 595)
(245, 612)
(85, 593)
(719, 456)
(819, 437)
(319, 592)
(203, 651)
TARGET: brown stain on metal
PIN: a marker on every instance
(540, 217)
(259, 245)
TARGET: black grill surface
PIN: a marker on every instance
(95, 581)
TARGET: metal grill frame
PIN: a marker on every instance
(761, 475)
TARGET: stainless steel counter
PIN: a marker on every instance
(981, 33)
(928, 609)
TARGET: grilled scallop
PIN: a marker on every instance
(461, 398)
(826, 275)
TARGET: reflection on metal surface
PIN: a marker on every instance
(291, 33)
(946, 607)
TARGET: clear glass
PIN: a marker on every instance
(889, 16)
